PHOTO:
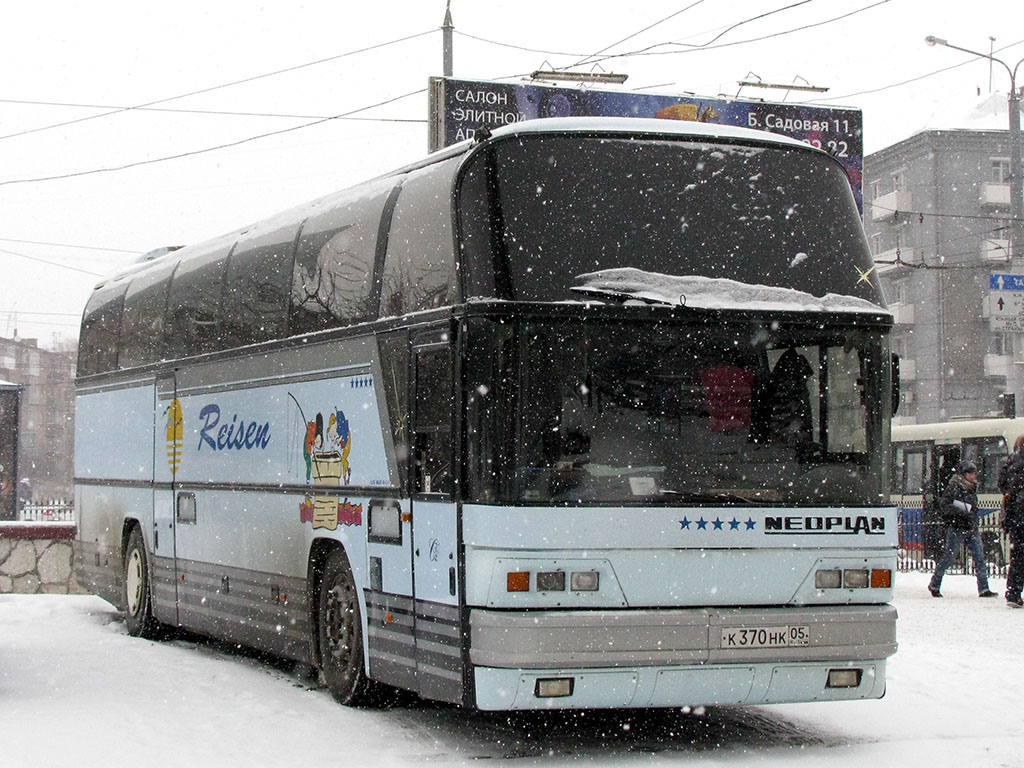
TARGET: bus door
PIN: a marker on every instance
(435, 525)
(167, 444)
(910, 462)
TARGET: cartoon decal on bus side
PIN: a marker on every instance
(175, 435)
(240, 436)
(326, 454)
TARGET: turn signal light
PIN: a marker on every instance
(853, 578)
(518, 581)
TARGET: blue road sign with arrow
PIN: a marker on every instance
(1006, 303)
(1006, 282)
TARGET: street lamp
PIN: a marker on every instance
(1016, 175)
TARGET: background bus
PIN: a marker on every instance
(924, 457)
(586, 413)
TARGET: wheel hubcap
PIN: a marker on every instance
(339, 623)
(133, 582)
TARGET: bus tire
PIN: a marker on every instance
(340, 633)
(138, 597)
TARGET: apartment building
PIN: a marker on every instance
(44, 381)
(936, 214)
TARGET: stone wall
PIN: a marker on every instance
(37, 558)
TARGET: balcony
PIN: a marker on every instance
(993, 195)
(908, 369)
(995, 250)
(885, 206)
(902, 314)
(998, 365)
(886, 261)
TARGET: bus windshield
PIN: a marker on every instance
(709, 414)
(539, 211)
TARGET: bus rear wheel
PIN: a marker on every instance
(138, 598)
(340, 634)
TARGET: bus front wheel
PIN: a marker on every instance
(138, 598)
(341, 633)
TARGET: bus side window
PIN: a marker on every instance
(101, 328)
(258, 287)
(914, 462)
(898, 464)
(333, 281)
(479, 229)
(989, 454)
(394, 363)
(943, 466)
(419, 268)
(487, 389)
(142, 331)
(433, 444)
(193, 307)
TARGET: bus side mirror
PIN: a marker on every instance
(895, 370)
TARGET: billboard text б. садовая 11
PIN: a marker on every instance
(459, 107)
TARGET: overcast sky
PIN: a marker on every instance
(71, 69)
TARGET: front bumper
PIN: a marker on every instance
(674, 657)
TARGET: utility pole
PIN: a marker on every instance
(1016, 169)
(991, 44)
(446, 30)
(1014, 382)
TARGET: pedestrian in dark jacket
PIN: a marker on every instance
(960, 514)
(1011, 484)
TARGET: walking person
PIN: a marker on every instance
(960, 514)
(1011, 484)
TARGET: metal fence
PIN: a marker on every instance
(49, 510)
(922, 545)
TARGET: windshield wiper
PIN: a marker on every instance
(723, 497)
(620, 296)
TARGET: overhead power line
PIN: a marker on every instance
(191, 153)
(896, 212)
(708, 46)
(915, 79)
(68, 245)
(514, 46)
(752, 19)
(51, 263)
(217, 112)
(120, 110)
(40, 314)
(649, 27)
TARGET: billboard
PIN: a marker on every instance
(459, 107)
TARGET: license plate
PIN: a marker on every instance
(765, 637)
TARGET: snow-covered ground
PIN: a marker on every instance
(76, 690)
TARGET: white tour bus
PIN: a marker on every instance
(923, 459)
(584, 413)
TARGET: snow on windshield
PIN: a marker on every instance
(713, 292)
